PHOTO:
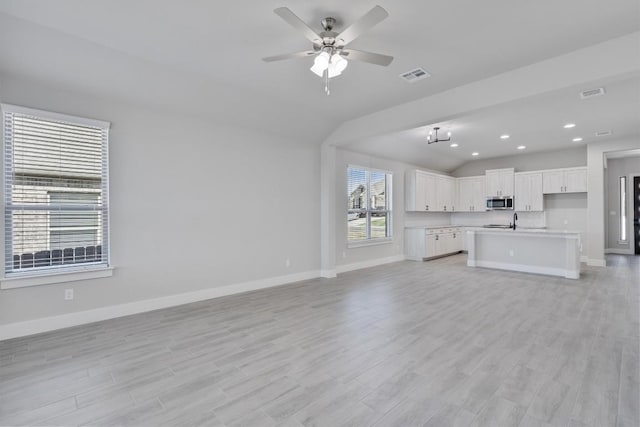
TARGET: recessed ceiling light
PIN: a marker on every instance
(521, 147)
(475, 153)
(505, 136)
(569, 125)
(577, 139)
(454, 145)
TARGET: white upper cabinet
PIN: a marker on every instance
(575, 180)
(499, 182)
(471, 194)
(446, 192)
(571, 180)
(428, 192)
(528, 192)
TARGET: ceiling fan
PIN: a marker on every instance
(329, 47)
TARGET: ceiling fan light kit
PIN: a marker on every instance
(329, 47)
(333, 64)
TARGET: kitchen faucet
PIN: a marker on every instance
(515, 218)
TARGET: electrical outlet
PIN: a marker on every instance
(287, 263)
(68, 294)
(511, 252)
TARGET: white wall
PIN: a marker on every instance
(596, 204)
(195, 205)
(615, 169)
(347, 258)
(572, 157)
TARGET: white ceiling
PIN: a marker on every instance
(204, 57)
(536, 122)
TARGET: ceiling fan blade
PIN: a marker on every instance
(371, 18)
(372, 58)
(297, 23)
(304, 54)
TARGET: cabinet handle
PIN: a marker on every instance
(437, 237)
(427, 207)
(445, 208)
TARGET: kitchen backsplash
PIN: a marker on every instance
(525, 219)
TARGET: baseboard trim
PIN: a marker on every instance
(619, 251)
(597, 262)
(47, 324)
(328, 274)
(535, 269)
(368, 263)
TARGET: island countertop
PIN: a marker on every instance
(551, 252)
(523, 230)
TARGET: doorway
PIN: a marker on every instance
(636, 214)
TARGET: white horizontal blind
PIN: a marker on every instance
(368, 204)
(56, 212)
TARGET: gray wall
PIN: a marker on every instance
(195, 204)
(615, 169)
(527, 162)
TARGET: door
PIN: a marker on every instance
(430, 246)
(446, 193)
(575, 180)
(479, 195)
(493, 184)
(536, 198)
(522, 194)
(636, 214)
(421, 192)
(465, 195)
(552, 182)
(506, 183)
(431, 195)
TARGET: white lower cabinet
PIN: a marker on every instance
(429, 243)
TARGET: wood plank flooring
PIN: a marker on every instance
(407, 344)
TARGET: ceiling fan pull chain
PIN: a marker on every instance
(326, 82)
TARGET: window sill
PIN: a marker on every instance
(55, 277)
(372, 242)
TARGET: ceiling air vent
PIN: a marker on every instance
(415, 75)
(604, 133)
(586, 94)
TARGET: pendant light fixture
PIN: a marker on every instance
(433, 139)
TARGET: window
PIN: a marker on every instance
(56, 212)
(623, 208)
(369, 205)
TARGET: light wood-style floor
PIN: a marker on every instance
(405, 344)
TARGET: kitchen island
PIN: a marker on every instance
(540, 251)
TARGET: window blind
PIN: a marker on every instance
(56, 214)
(368, 204)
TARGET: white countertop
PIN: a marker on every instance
(524, 231)
(431, 227)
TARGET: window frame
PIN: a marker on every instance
(368, 211)
(35, 277)
(623, 220)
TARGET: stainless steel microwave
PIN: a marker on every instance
(499, 203)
